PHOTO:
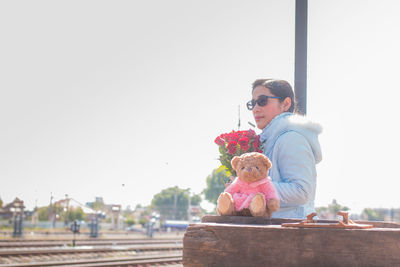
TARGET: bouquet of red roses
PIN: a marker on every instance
(233, 144)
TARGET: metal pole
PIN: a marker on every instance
(239, 118)
(188, 211)
(300, 69)
(175, 202)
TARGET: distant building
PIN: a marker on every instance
(116, 216)
(113, 211)
(9, 210)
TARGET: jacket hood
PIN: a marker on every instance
(286, 122)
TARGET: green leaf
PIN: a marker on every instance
(221, 168)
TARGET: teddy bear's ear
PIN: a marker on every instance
(235, 162)
(267, 162)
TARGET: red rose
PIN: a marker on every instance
(234, 136)
(256, 142)
(232, 147)
(244, 142)
(251, 133)
(227, 137)
(242, 133)
(219, 141)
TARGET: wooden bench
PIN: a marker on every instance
(249, 241)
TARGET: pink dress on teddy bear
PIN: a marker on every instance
(243, 192)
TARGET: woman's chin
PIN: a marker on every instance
(260, 125)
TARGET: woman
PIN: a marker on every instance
(290, 142)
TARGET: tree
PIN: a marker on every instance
(73, 214)
(98, 204)
(331, 211)
(129, 216)
(336, 207)
(172, 203)
(44, 212)
(1, 203)
(143, 221)
(215, 185)
(374, 214)
(130, 222)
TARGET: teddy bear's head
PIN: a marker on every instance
(251, 167)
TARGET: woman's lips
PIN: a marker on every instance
(257, 118)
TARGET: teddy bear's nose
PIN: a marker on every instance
(249, 169)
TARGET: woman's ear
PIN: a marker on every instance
(287, 103)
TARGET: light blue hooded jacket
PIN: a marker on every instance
(291, 143)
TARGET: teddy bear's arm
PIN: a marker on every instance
(232, 188)
(269, 191)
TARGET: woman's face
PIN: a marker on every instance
(264, 115)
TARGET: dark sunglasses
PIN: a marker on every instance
(261, 101)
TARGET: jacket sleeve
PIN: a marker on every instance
(296, 165)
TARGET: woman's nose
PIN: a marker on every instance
(256, 112)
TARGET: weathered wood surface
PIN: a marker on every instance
(248, 241)
(278, 221)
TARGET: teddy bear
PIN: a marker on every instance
(252, 192)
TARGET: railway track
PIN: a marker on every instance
(174, 259)
(88, 242)
(84, 239)
(88, 249)
(134, 252)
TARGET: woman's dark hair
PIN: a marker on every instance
(280, 88)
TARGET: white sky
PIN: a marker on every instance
(97, 94)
